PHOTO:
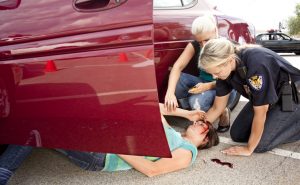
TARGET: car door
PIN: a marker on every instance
(288, 44)
(80, 75)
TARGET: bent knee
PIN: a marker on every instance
(237, 137)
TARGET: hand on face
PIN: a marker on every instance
(196, 115)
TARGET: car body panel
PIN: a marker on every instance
(88, 83)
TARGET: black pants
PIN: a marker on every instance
(280, 127)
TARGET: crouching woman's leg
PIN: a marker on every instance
(11, 159)
(280, 127)
(241, 128)
(91, 161)
(202, 101)
(185, 82)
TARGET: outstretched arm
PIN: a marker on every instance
(180, 64)
(181, 159)
(193, 115)
(218, 107)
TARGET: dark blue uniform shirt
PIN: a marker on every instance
(264, 77)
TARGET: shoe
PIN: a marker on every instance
(224, 123)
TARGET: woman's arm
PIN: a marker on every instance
(258, 123)
(180, 64)
(193, 115)
(181, 159)
(201, 87)
(217, 109)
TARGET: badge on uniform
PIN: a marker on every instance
(256, 82)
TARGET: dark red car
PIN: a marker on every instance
(88, 74)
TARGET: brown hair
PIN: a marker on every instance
(213, 138)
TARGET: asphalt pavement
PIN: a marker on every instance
(280, 166)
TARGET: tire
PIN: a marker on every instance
(5, 105)
(297, 53)
(235, 101)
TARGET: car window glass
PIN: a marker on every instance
(187, 2)
(265, 37)
(167, 3)
(274, 37)
(280, 37)
(284, 37)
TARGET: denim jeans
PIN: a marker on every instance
(201, 101)
(14, 155)
(280, 127)
(11, 159)
(91, 161)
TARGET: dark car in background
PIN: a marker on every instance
(88, 74)
(279, 42)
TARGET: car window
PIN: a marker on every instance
(171, 3)
(285, 37)
(265, 37)
(280, 37)
(166, 3)
(187, 2)
(275, 37)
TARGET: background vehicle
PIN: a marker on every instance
(79, 78)
(279, 42)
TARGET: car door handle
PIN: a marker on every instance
(96, 5)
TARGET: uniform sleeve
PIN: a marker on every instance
(222, 88)
(262, 77)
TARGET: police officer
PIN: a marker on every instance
(271, 117)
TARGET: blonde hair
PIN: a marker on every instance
(205, 23)
(217, 51)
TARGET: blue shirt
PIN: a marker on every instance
(114, 163)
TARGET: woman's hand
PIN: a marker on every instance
(196, 115)
(170, 102)
(238, 150)
(199, 88)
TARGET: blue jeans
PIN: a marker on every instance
(91, 161)
(14, 155)
(201, 101)
(11, 159)
(280, 127)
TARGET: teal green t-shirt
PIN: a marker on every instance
(206, 76)
(202, 74)
(114, 163)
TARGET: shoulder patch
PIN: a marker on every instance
(256, 82)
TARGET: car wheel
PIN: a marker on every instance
(5, 105)
(297, 53)
(234, 103)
